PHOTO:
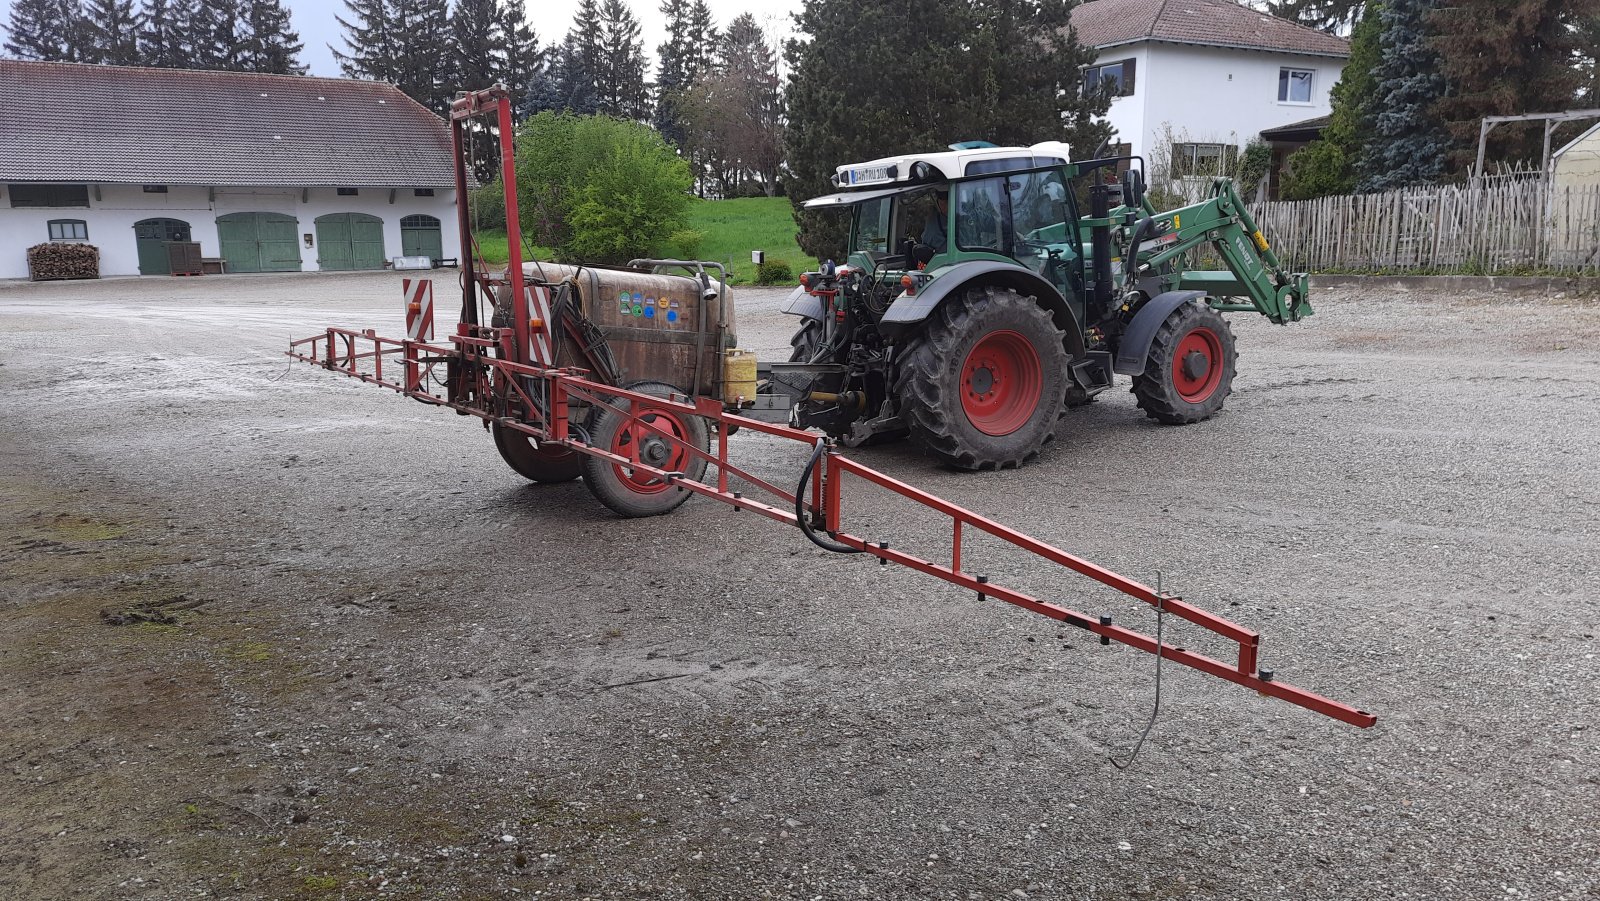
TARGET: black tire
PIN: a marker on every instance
(1189, 370)
(616, 486)
(941, 380)
(548, 463)
(804, 341)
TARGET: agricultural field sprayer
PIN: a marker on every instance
(631, 380)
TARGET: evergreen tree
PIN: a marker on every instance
(522, 60)
(477, 43)
(49, 30)
(572, 83)
(672, 76)
(863, 85)
(423, 66)
(1586, 33)
(164, 29)
(371, 41)
(269, 43)
(110, 33)
(1332, 16)
(1505, 57)
(619, 67)
(214, 32)
(1409, 143)
(1333, 163)
(699, 50)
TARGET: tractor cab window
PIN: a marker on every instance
(1039, 212)
(979, 221)
(872, 226)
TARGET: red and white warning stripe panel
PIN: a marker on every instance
(539, 326)
(419, 308)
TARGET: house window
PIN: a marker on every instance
(1294, 85)
(49, 195)
(155, 189)
(422, 192)
(1116, 79)
(348, 192)
(69, 230)
(1202, 159)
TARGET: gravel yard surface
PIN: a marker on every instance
(271, 633)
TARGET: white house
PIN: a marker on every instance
(270, 173)
(1194, 81)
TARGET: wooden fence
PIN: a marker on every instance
(1512, 226)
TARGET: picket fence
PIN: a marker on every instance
(1512, 226)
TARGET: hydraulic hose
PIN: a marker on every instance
(800, 508)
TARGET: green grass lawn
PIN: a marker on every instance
(732, 229)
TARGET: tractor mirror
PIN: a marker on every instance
(1132, 188)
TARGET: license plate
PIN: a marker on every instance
(869, 175)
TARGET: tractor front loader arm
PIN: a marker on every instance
(1223, 221)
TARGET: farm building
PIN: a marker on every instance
(1577, 165)
(267, 173)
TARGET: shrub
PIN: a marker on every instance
(774, 272)
(488, 206)
(597, 189)
(687, 243)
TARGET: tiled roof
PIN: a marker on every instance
(120, 124)
(1212, 23)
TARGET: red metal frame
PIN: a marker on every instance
(360, 355)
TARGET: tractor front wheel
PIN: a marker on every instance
(982, 384)
(538, 462)
(657, 437)
(1188, 372)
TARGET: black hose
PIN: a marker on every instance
(800, 508)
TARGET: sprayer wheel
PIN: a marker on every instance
(1189, 370)
(547, 463)
(982, 384)
(634, 492)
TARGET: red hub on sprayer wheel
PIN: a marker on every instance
(1197, 365)
(1000, 383)
(636, 442)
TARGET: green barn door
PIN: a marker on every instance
(151, 237)
(420, 236)
(349, 241)
(259, 242)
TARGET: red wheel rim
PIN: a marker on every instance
(1197, 365)
(647, 445)
(1000, 383)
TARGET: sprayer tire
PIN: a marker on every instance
(1189, 370)
(548, 463)
(983, 382)
(634, 493)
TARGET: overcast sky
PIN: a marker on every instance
(314, 19)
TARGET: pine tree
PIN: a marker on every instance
(422, 61)
(572, 82)
(1333, 163)
(522, 60)
(215, 35)
(699, 51)
(619, 68)
(164, 30)
(477, 43)
(269, 43)
(1409, 143)
(49, 30)
(110, 33)
(1586, 34)
(370, 38)
(671, 76)
(1505, 57)
(1332, 16)
(863, 85)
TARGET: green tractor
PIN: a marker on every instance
(978, 302)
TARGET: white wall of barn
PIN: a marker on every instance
(1211, 95)
(113, 210)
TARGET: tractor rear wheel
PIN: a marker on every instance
(982, 384)
(635, 492)
(541, 463)
(1188, 372)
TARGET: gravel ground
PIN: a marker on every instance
(390, 667)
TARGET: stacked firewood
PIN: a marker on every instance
(62, 260)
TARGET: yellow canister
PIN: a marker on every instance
(738, 378)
